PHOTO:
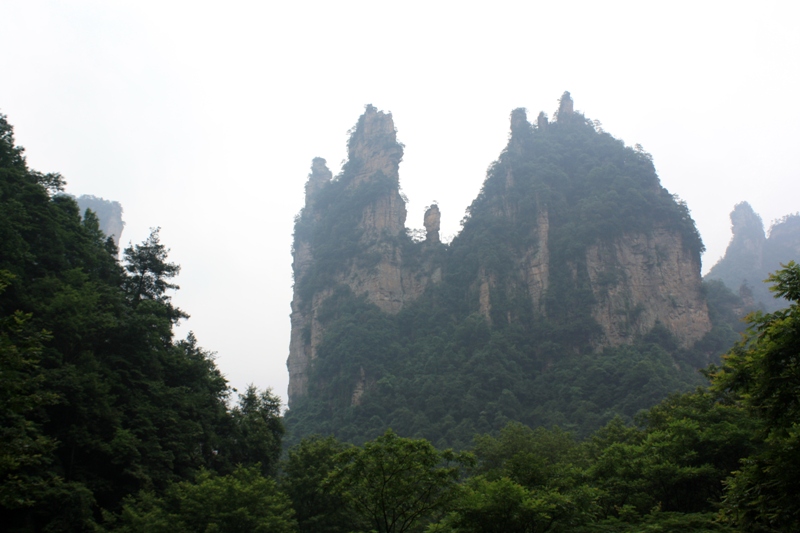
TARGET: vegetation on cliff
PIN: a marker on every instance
(484, 345)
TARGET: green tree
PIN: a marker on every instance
(257, 430)
(24, 448)
(394, 484)
(242, 502)
(502, 506)
(763, 371)
(318, 508)
(538, 473)
(149, 273)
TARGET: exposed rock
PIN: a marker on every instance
(637, 279)
(541, 120)
(432, 224)
(751, 256)
(565, 106)
(642, 279)
(360, 388)
(379, 272)
(319, 177)
(373, 148)
(109, 214)
(485, 283)
(519, 121)
(536, 264)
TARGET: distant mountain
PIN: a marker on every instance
(108, 212)
(752, 255)
(572, 294)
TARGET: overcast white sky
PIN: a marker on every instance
(203, 118)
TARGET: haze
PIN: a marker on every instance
(203, 118)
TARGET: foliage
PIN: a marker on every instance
(257, 430)
(394, 484)
(24, 447)
(540, 470)
(505, 506)
(763, 372)
(318, 507)
(241, 502)
(99, 400)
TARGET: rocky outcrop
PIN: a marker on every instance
(432, 222)
(366, 193)
(536, 264)
(752, 255)
(646, 278)
(638, 277)
(109, 214)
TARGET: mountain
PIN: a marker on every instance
(109, 214)
(752, 255)
(571, 295)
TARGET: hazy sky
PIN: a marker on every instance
(203, 118)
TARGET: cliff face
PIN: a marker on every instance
(362, 212)
(593, 240)
(571, 240)
(109, 214)
(752, 255)
(642, 279)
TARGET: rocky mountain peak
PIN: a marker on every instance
(109, 214)
(519, 120)
(373, 147)
(319, 177)
(565, 106)
(751, 256)
(746, 223)
(432, 223)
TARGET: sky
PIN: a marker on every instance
(202, 118)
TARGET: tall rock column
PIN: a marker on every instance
(349, 234)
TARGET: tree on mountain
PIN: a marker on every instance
(149, 273)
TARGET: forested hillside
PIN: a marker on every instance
(97, 399)
(571, 296)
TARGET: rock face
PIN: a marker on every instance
(432, 224)
(571, 227)
(363, 212)
(752, 255)
(109, 214)
(643, 279)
